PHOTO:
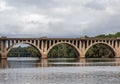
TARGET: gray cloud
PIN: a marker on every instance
(95, 5)
(58, 18)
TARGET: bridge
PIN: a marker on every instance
(44, 44)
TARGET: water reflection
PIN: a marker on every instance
(15, 63)
(42, 63)
(60, 71)
(3, 63)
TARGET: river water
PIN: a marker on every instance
(59, 71)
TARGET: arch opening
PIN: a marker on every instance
(100, 50)
(24, 50)
(63, 50)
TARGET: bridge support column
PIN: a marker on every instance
(3, 55)
(44, 49)
(3, 49)
(82, 55)
(117, 53)
(44, 55)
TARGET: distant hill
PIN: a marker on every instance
(109, 35)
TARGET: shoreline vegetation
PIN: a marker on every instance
(115, 35)
(66, 51)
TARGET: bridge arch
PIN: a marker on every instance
(10, 48)
(113, 49)
(72, 45)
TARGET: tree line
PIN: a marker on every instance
(63, 51)
(109, 35)
(28, 51)
(100, 51)
(59, 51)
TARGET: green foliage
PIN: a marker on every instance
(63, 51)
(100, 51)
(109, 35)
(59, 51)
(24, 52)
(102, 35)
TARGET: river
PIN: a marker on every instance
(60, 71)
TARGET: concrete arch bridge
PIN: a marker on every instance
(44, 44)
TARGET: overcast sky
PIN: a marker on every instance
(59, 18)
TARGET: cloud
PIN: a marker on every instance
(95, 5)
(58, 18)
(4, 6)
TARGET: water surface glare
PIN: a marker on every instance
(60, 71)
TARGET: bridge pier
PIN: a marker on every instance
(117, 53)
(3, 48)
(3, 55)
(43, 56)
(82, 54)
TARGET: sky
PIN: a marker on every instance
(59, 18)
